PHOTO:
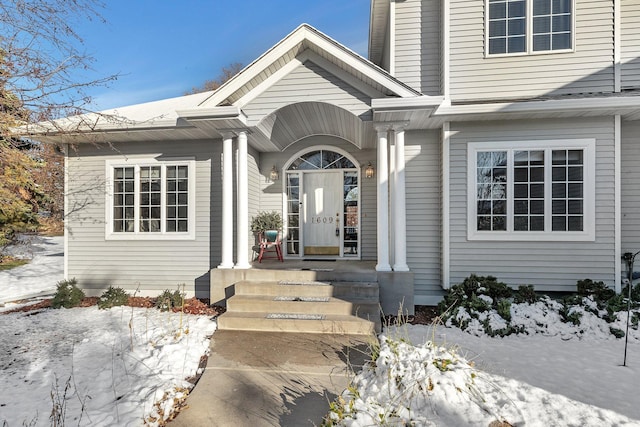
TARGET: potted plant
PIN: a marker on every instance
(267, 223)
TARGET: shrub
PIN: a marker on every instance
(113, 297)
(466, 293)
(570, 316)
(67, 294)
(525, 294)
(598, 290)
(168, 300)
(504, 309)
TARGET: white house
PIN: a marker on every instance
(502, 136)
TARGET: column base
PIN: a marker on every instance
(225, 266)
(401, 267)
(383, 267)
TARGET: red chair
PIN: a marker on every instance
(269, 240)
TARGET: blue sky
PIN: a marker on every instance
(163, 48)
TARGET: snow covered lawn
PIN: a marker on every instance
(474, 380)
(118, 364)
(39, 276)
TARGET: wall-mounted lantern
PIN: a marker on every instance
(274, 175)
(369, 171)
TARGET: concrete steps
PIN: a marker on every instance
(303, 306)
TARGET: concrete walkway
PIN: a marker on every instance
(272, 379)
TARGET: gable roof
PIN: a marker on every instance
(208, 115)
(303, 38)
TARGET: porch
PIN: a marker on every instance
(264, 289)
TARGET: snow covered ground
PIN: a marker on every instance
(116, 363)
(469, 380)
(40, 276)
(120, 361)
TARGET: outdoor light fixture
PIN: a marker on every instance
(274, 175)
(368, 171)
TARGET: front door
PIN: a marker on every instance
(322, 207)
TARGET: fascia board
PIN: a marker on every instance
(550, 106)
(256, 67)
(360, 64)
(226, 112)
(309, 34)
(413, 103)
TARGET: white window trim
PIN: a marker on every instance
(589, 190)
(110, 165)
(529, 34)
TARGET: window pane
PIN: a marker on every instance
(542, 42)
(574, 207)
(498, 10)
(521, 223)
(541, 7)
(497, 28)
(559, 223)
(537, 174)
(559, 207)
(536, 191)
(575, 191)
(520, 191)
(499, 207)
(575, 173)
(499, 223)
(517, 8)
(561, 24)
(537, 223)
(542, 24)
(520, 207)
(561, 41)
(516, 27)
(497, 46)
(559, 174)
(537, 207)
(575, 223)
(561, 6)
(484, 223)
(558, 190)
(516, 44)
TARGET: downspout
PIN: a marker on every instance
(66, 209)
(446, 140)
(446, 257)
(618, 203)
(617, 48)
(392, 38)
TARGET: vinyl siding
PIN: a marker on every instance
(630, 41)
(586, 70)
(308, 82)
(146, 266)
(630, 190)
(272, 193)
(550, 266)
(417, 44)
(422, 158)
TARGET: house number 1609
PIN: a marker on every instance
(321, 220)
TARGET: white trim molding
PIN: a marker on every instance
(617, 182)
(588, 146)
(137, 163)
(446, 235)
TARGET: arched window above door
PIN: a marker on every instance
(321, 159)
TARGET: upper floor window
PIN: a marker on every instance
(521, 26)
(150, 200)
(532, 191)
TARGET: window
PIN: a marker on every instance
(521, 26)
(151, 200)
(537, 191)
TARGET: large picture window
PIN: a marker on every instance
(537, 191)
(529, 26)
(150, 200)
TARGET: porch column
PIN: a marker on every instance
(383, 201)
(400, 220)
(242, 231)
(227, 201)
